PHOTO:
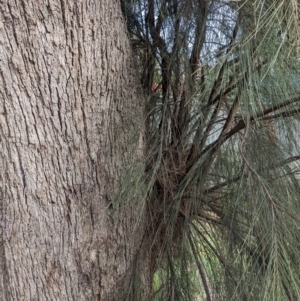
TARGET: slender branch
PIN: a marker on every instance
(289, 160)
(216, 187)
(195, 148)
(222, 138)
(199, 38)
(234, 180)
(282, 115)
(200, 269)
(276, 107)
(212, 98)
(215, 251)
(241, 124)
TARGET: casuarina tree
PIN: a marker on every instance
(149, 150)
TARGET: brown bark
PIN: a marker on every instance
(69, 104)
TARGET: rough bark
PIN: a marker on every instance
(69, 104)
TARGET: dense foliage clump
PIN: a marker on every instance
(222, 80)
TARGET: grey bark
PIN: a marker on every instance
(69, 105)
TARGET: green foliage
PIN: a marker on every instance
(221, 176)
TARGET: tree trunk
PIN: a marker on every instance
(69, 106)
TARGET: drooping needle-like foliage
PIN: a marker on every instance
(223, 147)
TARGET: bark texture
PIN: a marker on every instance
(69, 105)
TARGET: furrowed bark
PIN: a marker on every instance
(69, 105)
